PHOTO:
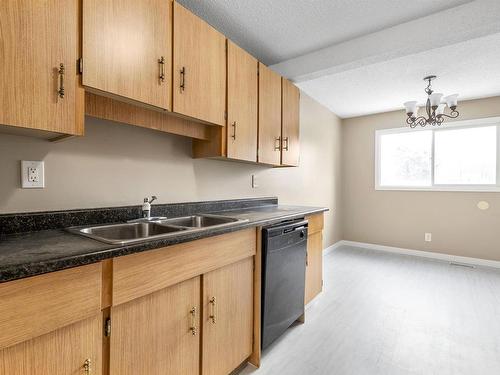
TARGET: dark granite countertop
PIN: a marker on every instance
(38, 252)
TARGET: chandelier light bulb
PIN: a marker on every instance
(435, 99)
(411, 107)
(451, 100)
(440, 109)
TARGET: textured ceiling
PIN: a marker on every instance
(471, 69)
(277, 30)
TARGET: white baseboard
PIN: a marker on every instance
(418, 253)
(331, 248)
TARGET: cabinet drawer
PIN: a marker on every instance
(41, 304)
(316, 223)
(137, 275)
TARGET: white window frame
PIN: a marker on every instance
(490, 121)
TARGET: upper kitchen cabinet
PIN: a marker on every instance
(290, 98)
(199, 68)
(127, 50)
(38, 77)
(242, 107)
(269, 116)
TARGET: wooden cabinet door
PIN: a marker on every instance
(65, 351)
(290, 98)
(314, 266)
(158, 334)
(269, 116)
(36, 37)
(242, 92)
(123, 44)
(227, 317)
(199, 80)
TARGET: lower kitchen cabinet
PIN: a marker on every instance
(184, 309)
(314, 266)
(227, 317)
(75, 349)
(314, 260)
(158, 333)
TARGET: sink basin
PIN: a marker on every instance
(127, 233)
(140, 230)
(199, 221)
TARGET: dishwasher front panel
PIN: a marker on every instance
(283, 278)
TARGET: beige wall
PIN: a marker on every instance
(116, 165)
(400, 218)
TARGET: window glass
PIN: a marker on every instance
(465, 156)
(405, 159)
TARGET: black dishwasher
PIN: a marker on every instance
(284, 248)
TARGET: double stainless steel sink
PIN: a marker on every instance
(155, 228)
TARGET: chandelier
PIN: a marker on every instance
(434, 108)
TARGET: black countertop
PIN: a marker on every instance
(38, 252)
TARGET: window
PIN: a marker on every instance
(458, 156)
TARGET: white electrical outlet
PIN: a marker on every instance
(255, 185)
(428, 237)
(32, 174)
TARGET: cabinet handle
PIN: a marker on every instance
(212, 316)
(234, 130)
(285, 142)
(86, 366)
(193, 330)
(183, 78)
(161, 61)
(277, 143)
(60, 72)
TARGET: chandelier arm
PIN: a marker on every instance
(453, 114)
(414, 121)
(420, 119)
(422, 122)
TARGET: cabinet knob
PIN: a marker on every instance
(182, 85)
(86, 366)
(234, 130)
(277, 143)
(60, 73)
(285, 144)
(192, 328)
(161, 61)
(212, 315)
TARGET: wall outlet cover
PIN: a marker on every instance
(428, 237)
(32, 174)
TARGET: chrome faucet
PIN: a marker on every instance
(146, 207)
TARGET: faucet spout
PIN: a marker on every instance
(146, 207)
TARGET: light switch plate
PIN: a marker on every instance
(32, 174)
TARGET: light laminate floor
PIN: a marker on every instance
(387, 314)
